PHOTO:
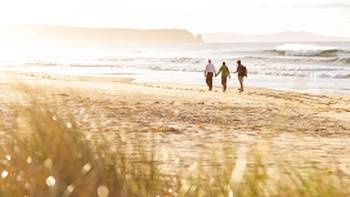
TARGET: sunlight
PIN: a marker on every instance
(249, 17)
(175, 98)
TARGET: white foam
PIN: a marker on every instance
(304, 49)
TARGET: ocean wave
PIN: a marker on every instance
(323, 75)
(308, 53)
(344, 60)
(180, 60)
(335, 76)
(311, 71)
(305, 50)
(299, 60)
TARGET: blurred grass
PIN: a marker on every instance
(44, 151)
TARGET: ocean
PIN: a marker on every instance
(322, 67)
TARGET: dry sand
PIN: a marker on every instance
(186, 123)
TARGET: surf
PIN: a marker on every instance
(307, 50)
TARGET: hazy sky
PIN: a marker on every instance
(329, 17)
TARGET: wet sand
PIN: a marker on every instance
(186, 123)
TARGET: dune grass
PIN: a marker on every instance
(45, 151)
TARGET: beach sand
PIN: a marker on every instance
(187, 123)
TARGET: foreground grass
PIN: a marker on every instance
(46, 152)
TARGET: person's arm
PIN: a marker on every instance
(229, 74)
(236, 70)
(218, 72)
(205, 71)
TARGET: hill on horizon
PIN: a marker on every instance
(46, 34)
(286, 36)
(66, 35)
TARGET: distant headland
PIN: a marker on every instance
(47, 34)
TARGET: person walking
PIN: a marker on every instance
(241, 73)
(225, 72)
(209, 74)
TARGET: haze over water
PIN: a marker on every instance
(316, 67)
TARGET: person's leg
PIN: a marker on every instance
(211, 81)
(240, 78)
(224, 83)
(207, 80)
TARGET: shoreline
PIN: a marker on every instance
(129, 79)
(280, 83)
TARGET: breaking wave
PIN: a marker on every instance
(305, 50)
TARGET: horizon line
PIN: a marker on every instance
(172, 28)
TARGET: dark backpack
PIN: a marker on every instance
(245, 72)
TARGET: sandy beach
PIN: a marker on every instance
(187, 123)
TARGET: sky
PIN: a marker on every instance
(324, 17)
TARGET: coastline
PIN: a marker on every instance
(323, 86)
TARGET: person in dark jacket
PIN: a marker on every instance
(241, 73)
(225, 72)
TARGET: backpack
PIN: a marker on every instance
(245, 72)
